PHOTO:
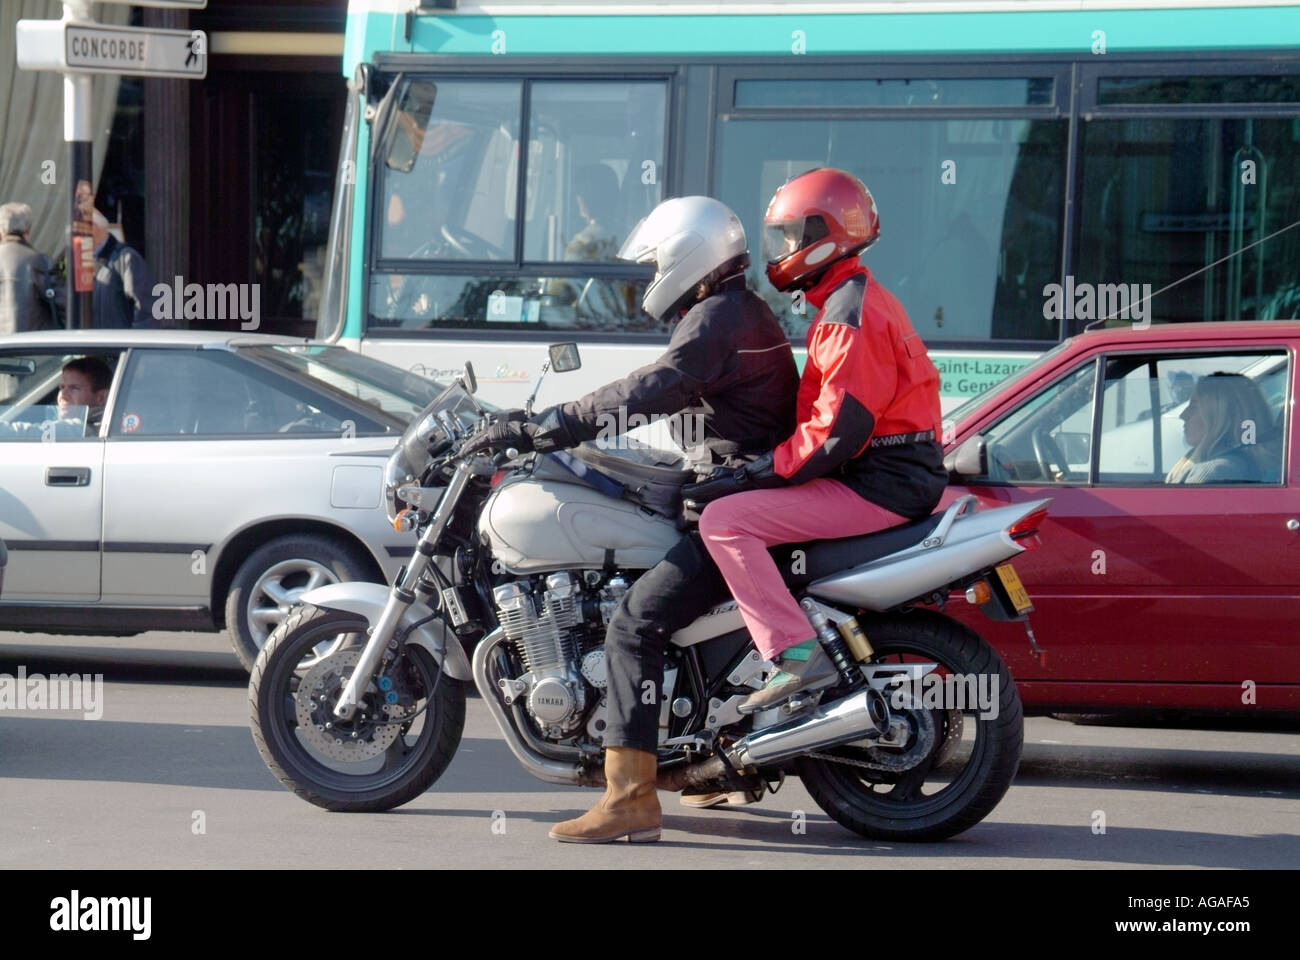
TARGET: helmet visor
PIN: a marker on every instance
(640, 244)
(782, 239)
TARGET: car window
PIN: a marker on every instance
(1205, 418)
(1048, 438)
(175, 393)
(399, 393)
(29, 395)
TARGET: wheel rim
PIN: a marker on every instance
(943, 773)
(277, 591)
(290, 700)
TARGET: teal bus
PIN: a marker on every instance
(1038, 165)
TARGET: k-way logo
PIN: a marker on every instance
(98, 914)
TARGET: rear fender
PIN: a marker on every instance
(369, 599)
(964, 543)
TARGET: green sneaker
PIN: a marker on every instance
(804, 667)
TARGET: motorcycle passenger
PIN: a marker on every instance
(864, 454)
(728, 363)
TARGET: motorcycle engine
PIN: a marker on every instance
(542, 619)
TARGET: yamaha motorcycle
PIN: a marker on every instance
(358, 698)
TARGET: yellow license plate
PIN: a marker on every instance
(1015, 589)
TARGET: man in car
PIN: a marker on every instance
(83, 390)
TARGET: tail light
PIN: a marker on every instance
(1027, 526)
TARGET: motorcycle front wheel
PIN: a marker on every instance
(960, 757)
(399, 741)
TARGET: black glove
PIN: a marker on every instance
(501, 435)
(547, 431)
(757, 475)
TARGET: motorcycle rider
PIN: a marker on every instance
(864, 455)
(728, 363)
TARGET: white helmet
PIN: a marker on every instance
(690, 240)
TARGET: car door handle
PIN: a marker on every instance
(67, 476)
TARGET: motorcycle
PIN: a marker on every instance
(358, 698)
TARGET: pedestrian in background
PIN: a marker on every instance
(123, 283)
(24, 274)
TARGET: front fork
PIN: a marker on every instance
(402, 595)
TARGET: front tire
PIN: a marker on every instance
(388, 776)
(966, 776)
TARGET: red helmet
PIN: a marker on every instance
(815, 219)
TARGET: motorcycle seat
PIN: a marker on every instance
(821, 558)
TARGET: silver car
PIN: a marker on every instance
(207, 481)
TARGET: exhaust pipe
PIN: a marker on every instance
(856, 717)
(551, 771)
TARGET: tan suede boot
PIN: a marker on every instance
(629, 808)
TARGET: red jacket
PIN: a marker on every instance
(868, 405)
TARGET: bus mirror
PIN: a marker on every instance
(412, 123)
(969, 459)
(470, 383)
(564, 357)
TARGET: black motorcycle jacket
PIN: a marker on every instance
(728, 368)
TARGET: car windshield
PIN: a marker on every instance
(957, 414)
(396, 392)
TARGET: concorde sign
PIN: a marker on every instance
(71, 47)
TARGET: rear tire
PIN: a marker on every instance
(971, 793)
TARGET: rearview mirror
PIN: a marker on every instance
(969, 459)
(564, 357)
(471, 384)
(412, 121)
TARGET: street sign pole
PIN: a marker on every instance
(78, 133)
(78, 47)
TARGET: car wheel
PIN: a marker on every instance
(271, 580)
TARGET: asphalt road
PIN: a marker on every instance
(169, 778)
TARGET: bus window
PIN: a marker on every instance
(592, 169)
(595, 151)
(456, 200)
(970, 211)
(1170, 197)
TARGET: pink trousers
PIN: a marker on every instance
(737, 530)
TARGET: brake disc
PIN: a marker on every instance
(350, 740)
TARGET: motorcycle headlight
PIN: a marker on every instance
(396, 473)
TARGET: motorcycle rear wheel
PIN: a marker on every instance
(420, 750)
(961, 778)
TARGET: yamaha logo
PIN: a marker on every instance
(551, 701)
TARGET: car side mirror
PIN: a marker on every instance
(970, 459)
(564, 357)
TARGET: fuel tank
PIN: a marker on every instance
(536, 525)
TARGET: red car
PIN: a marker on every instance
(1168, 576)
